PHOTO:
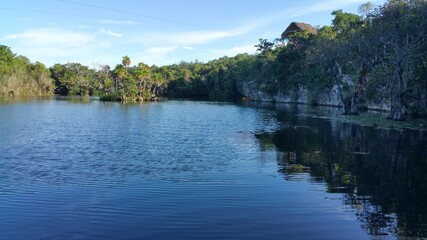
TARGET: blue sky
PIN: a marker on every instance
(157, 32)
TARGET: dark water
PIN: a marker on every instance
(196, 170)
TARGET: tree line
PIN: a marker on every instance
(123, 83)
(377, 56)
(20, 77)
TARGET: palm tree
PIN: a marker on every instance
(142, 75)
(126, 63)
(120, 72)
(158, 82)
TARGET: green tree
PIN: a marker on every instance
(143, 75)
(20, 77)
(365, 9)
(73, 79)
(345, 23)
(264, 45)
(126, 62)
(401, 29)
(158, 83)
(119, 74)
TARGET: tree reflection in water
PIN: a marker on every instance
(382, 173)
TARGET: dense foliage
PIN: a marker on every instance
(377, 57)
(20, 77)
(385, 55)
(123, 83)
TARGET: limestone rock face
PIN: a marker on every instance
(327, 97)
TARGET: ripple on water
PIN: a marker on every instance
(183, 170)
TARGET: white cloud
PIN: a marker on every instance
(180, 38)
(230, 52)
(109, 32)
(50, 37)
(288, 13)
(197, 38)
(156, 55)
(160, 50)
(54, 45)
(118, 22)
(28, 19)
(323, 7)
(191, 38)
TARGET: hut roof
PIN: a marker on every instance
(297, 27)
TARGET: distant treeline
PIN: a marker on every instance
(377, 56)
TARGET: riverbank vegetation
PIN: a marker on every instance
(377, 57)
(123, 83)
(20, 77)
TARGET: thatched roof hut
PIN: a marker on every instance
(297, 27)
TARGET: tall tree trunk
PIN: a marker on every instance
(398, 109)
(338, 79)
(116, 85)
(140, 87)
(155, 89)
(353, 104)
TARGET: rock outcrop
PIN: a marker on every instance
(300, 95)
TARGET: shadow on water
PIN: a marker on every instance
(69, 99)
(381, 173)
(18, 100)
(75, 99)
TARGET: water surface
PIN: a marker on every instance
(84, 169)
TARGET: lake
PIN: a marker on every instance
(73, 168)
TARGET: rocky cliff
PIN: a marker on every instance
(300, 94)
